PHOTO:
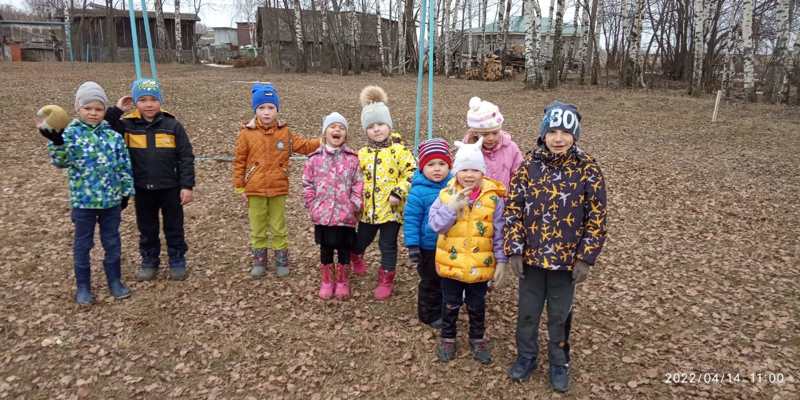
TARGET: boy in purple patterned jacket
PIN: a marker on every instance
(555, 228)
(332, 188)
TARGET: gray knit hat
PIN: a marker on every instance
(373, 100)
(333, 118)
(89, 92)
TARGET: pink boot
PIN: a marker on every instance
(385, 284)
(358, 264)
(326, 287)
(342, 283)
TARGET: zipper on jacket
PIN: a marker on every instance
(250, 172)
(374, 184)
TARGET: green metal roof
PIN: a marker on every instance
(518, 24)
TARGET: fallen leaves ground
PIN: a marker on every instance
(699, 275)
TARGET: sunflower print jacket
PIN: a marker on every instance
(387, 170)
(556, 210)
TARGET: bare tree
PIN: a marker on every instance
(178, 41)
(379, 35)
(748, 50)
(695, 88)
(533, 75)
(555, 66)
(161, 29)
(632, 71)
(779, 64)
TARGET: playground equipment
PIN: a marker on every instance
(427, 26)
(135, 41)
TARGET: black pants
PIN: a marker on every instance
(456, 293)
(387, 242)
(540, 287)
(334, 238)
(429, 291)
(148, 205)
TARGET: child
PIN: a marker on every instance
(431, 177)
(332, 186)
(100, 184)
(555, 229)
(388, 167)
(261, 176)
(501, 154)
(468, 215)
(163, 173)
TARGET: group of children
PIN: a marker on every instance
(465, 218)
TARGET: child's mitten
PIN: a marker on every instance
(53, 121)
(516, 265)
(580, 271)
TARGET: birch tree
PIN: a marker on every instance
(379, 33)
(483, 30)
(161, 29)
(446, 29)
(178, 41)
(697, 70)
(533, 75)
(780, 61)
(506, 24)
(747, 50)
(584, 45)
(632, 71)
(299, 37)
(555, 66)
(449, 41)
(402, 35)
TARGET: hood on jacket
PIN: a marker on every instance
(420, 179)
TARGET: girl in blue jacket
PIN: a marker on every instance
(431, 177)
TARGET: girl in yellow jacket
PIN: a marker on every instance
(388, 167)
(468, 215)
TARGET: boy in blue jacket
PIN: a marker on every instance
(431, 177)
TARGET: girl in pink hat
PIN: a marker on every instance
(501, 154)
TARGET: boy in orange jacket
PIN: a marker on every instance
(260, 176)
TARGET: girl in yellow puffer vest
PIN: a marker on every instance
(388, 167)
(468, 215)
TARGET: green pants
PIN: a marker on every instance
(267, 214)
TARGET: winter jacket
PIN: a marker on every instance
(332, 186)
(387, 170)
(416, 231)
(98, 164)
(261, 164)
(556, 210)
(502, 160)
(161, 153)
(470, 242)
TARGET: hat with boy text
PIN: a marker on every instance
(263, 93)
(563, 116)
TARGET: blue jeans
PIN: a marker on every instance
(85, 220)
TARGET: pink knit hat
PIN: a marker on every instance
(483, 116)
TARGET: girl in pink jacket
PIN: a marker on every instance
(332, 186)
(501, 154)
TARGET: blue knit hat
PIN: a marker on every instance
(145, 87)
(265, 93)
(558, 115)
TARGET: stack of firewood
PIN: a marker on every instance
(492, 68)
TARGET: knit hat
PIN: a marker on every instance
(483, 116)
(373, 100)
(89, 92)
(469, 156)
(333, 118)
(263, 93)
(558, 115)
(432, 149)
(145, 87)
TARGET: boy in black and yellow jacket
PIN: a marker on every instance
(163, 174)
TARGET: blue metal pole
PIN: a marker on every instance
(431, 33)
(134, 40)
(421, 59)
(150, 52)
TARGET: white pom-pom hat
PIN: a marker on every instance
(469, 156)
(483, 116)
